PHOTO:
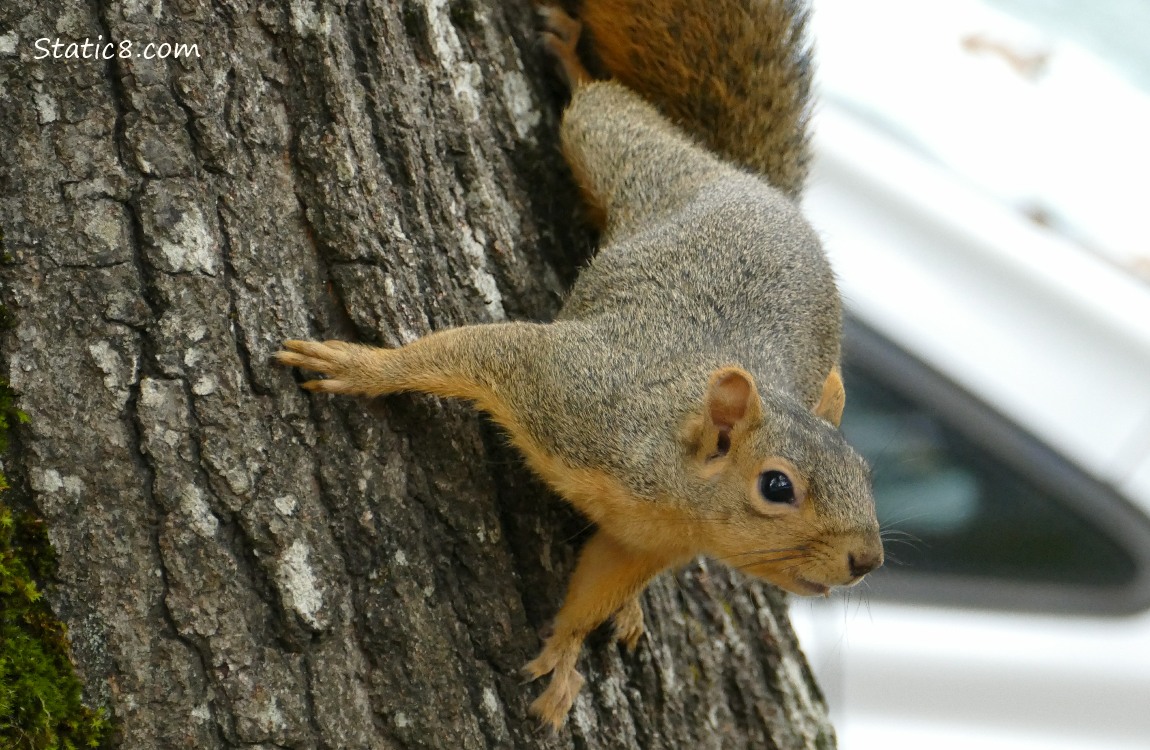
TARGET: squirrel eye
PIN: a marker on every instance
(776, 487)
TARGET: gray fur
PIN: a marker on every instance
(704, 266)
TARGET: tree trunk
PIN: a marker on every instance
(242, 563)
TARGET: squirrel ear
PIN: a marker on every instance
(833, 399)
(731, 400)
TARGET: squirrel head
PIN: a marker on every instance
(788, 499)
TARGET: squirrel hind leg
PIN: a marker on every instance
(560, 37)
(557, 659)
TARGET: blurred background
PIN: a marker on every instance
(982, 181)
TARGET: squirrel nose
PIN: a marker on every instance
(862, 563)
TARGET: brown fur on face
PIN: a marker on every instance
(806, 547)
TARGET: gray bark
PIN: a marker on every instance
(244, 564)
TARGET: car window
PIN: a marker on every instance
(957, 509)
(976, 511)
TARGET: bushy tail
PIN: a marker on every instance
(735, 74)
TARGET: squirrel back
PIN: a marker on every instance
(734, 74)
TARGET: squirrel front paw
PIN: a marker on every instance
(558, 658)
(629, 627)
(339, 361)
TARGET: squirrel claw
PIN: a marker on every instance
(558, 657)
(558, 22)
(312, 355)
(331, 358)
(560, 36)
(629, 627)
(540, 665)
(326, 386)
(529, 673)
(555, 703)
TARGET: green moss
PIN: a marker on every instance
(40, 705)
(9, 415)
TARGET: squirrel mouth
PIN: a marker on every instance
(803, 587)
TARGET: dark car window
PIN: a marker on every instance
(962, 510)
(975, 510)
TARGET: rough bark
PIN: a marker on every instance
(241, 563)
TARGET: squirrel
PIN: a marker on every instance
(687, 397)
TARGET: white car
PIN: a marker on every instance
(998, 378)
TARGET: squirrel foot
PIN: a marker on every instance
(560, 36)
(558, 658)
(629, 624)
(340, 361)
